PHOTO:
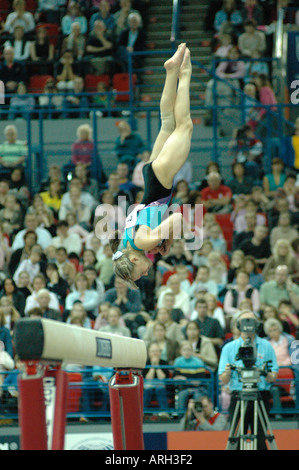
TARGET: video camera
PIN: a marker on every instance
(249, 374)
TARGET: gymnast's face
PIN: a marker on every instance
(142, 265)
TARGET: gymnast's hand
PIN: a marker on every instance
(164, 247)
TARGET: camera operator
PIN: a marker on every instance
(264, 355)
(201, 416)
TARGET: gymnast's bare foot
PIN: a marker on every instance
(186, 66)
(175, 61)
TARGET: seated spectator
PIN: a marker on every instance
(217, 239)
(101, 319)
(12, 72)
(50, 100)
(202, 280)
(88, 184)
(252, 10)
(282, 254)
(78, 311)
(77, 104)
(173, 329)
(75, 42)
(276, 179)
(131, 39)
(240, 183)
(188, 367)
(284, 230)
(254, 68)
(252, 39)
(43, 299)
(287, 314)
(182, 299)
(30, 239)
(88, 297)
(32, 265)
(214, 310)
(71, 242)
(5, 336)
(271, 312)
(19, 17)
(281, 288)
(123, 172)
(246, 148)
(236, 262)
(44, 237)
(210, 168)
(216, 197)
(240, 215)
(44, 215)
(128, 144)
(83, 149)
(39, 282)
(18, 186)
(153, 373)
(114, 327)
(11, 315)
(11, 216)
(290, 190)
(52, 198)
(93, 281)
(281, 343)
(229, 14)
(73, 15)
(238, 292)
(66, 72)
(258, 246)
(249, 265)
(177, 256)
(181, 193)
(111, 214)
(42, 50)
(14, 293)
(202, 346)
(99, 49)
(56, 284)
(76, 206)
(247, 232)
(104, 14)
(209, 327)
(74, 227)
(266, 97)
(13, 152)
(21, 103)
(121, 197)
(218, 269)
(128, 300)
(177, 314)
(122, 14)
(170, 349)
(233, 70)
(200, 257)
(224, 44)
(20, 44)
(201, 416)
(105, 266)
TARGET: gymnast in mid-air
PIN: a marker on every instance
(149, 229)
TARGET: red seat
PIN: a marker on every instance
(74, 392)
(227, 228)
(37, 83)
(121, 83)
(5, 8)
(92, 80)
(285, 378)
(53, 30)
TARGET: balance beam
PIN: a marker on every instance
(54, 341)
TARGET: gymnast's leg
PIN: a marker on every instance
(168, 98)
(176, 149)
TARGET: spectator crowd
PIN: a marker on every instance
(55, 258)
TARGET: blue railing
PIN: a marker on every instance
(90, 398)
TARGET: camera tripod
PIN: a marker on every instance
(237, 430)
